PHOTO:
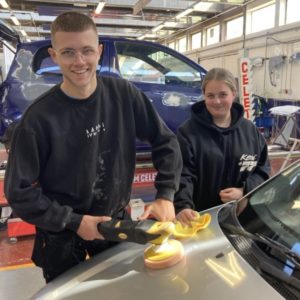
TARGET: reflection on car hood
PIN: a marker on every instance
(212, 269)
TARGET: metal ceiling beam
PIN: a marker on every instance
(139, 5)
(29, 16)
(126, 22)
(155, 4)
(35, 32)
(225, 2)
(118, 18)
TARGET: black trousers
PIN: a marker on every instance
(56, 252)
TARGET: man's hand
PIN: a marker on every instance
(231, 194)
(88, 227)
(186, 215)
(160, 209)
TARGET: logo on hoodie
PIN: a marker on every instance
(95, 130)
(248, 162)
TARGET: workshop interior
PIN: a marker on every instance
(165, 49)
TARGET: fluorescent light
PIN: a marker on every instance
(23, 32)
(99, 7)
(147, 35)
(184, 13)
(4, 4)
(150, 35)
(157, 28)
(15, 20)
(202, 6)
(80, 4)
(296, 204)
(170, 24)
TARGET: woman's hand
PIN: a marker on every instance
(186, 215)
(231, 194)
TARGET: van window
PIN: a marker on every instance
(43, 63)
(150, 64)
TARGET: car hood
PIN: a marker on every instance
(212, 269)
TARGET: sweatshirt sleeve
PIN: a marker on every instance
(184, 196)
(262, 170)
(166, 156)
(22, 189)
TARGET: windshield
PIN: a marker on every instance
(276, 208)
(264, 227)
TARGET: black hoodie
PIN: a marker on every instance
(217, 158)
(73, 157)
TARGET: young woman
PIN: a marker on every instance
(224, 154)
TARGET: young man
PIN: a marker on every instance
(72, 157)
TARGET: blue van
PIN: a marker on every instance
(171, 81)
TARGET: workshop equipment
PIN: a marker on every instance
(164, 251)
(283, 132)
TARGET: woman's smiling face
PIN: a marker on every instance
(218, 98)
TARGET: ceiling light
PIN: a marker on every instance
(147, 35)
(99, 7)
(184, 13)
(150, 35)
(296, 204)
(170, 24)
(15, 20)
(23, 32)
(157, 28)
(4, 4)
(80, 4)
(202, 6)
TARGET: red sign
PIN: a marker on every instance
(245, 88)
(144, 177)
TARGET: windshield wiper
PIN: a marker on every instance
(274, 245)
(273, 271)
(265, 266)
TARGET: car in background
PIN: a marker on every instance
(250, 250)
(171, 81)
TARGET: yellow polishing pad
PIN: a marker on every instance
(184, 231)
(163, 256)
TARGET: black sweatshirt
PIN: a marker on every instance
(216, 158)
(72, 157)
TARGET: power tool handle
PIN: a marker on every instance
(127, 231)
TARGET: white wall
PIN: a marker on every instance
(280, 82)
(283, 83)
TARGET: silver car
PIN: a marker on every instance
(250, 250)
